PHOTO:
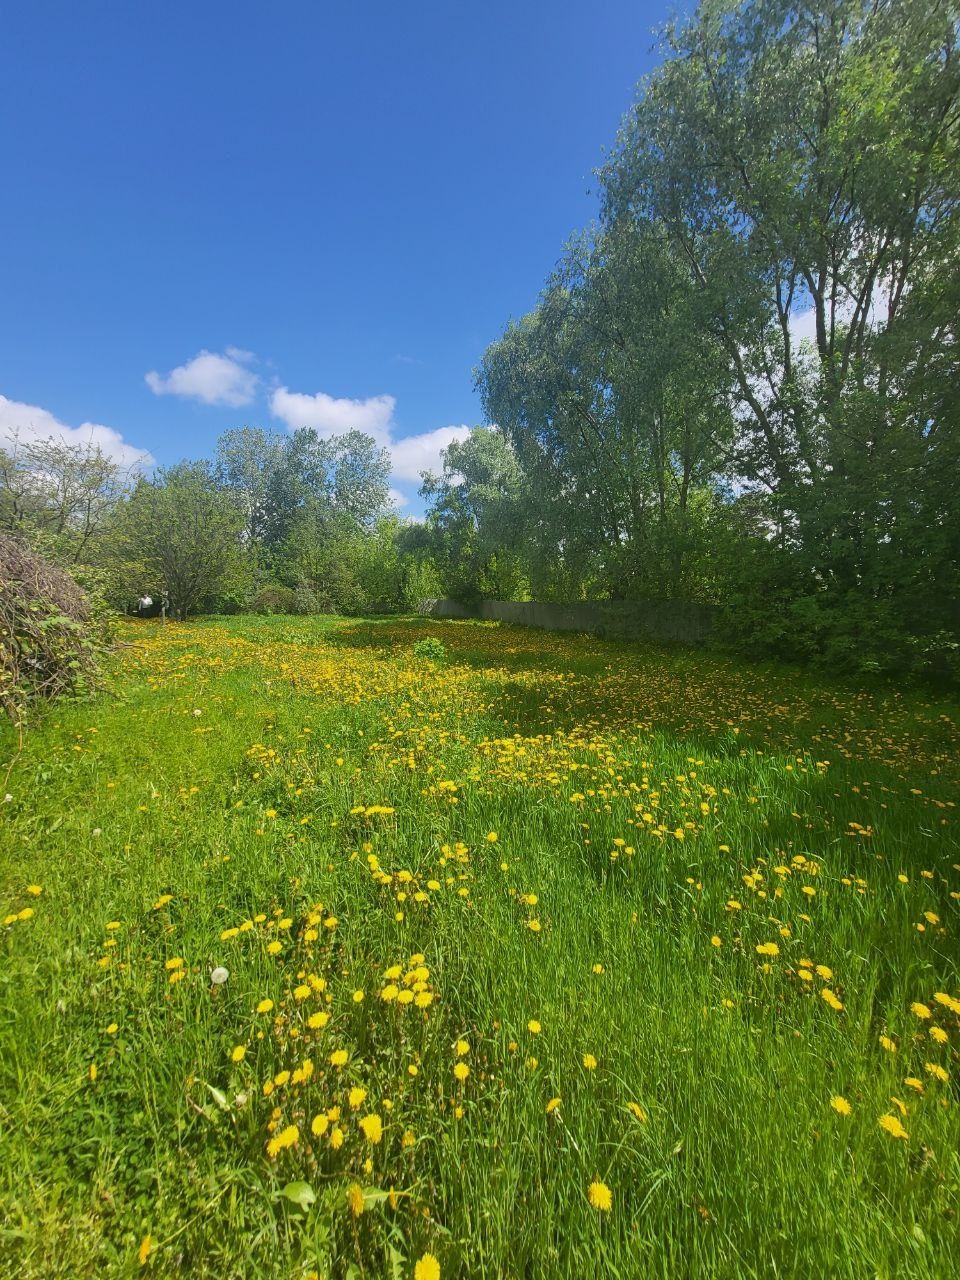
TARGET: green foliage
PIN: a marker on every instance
(182, 533)
(757, 343)
(51, 640)
(60, 498)
(284, 483)
(274, 598)
(476, 519)
(432, 649)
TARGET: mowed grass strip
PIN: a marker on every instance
(556, 958)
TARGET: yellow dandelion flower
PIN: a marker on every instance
(919, 1010)
(145, 1250)
(715, 941)
(589, 1062)
(264, 1006)
(938, 1072)
(890, 1124)
(461, 1071)
(552, 1106)
(840, 1105)
(287, 1137)
(533, 1026)
(238, 1053)
(427, 1268)
(319, 1125)
(600, 1196)
(767, 949)
(355, 1199)
(339, 1058)
(372, 1127)
(356, 1098)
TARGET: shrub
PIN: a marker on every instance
(50, 640)
(430, 648)
(274, 598)
(306, 601)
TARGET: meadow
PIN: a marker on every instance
(548, 958)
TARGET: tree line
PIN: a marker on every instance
(274, 523)
(740, 385)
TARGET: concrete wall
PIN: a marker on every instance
(666, 620)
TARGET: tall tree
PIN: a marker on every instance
(475, 520)
(61, 493)
(801, 157)
(247, 460)
(612, 397)
(182, 532)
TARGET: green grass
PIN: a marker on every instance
(229, 772)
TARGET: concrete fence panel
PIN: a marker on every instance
(672, 621)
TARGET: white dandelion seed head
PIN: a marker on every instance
(219, 975)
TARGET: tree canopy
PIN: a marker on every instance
(741, 384)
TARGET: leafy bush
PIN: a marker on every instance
(306, 601)
(431, 649)
(50, 636)
(274, 598)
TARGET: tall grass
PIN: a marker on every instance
(710, 908)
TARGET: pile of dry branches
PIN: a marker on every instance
(48, 644)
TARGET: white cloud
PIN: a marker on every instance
(330, 416)
(415, 454)
(397, 499)
(209, 378)
(28, 423)
(803, 325)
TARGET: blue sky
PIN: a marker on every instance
(340, 204)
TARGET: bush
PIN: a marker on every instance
(430, 648)
(306, 601)
(50, 639)
(273, 598)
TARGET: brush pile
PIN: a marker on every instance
(49, 643)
